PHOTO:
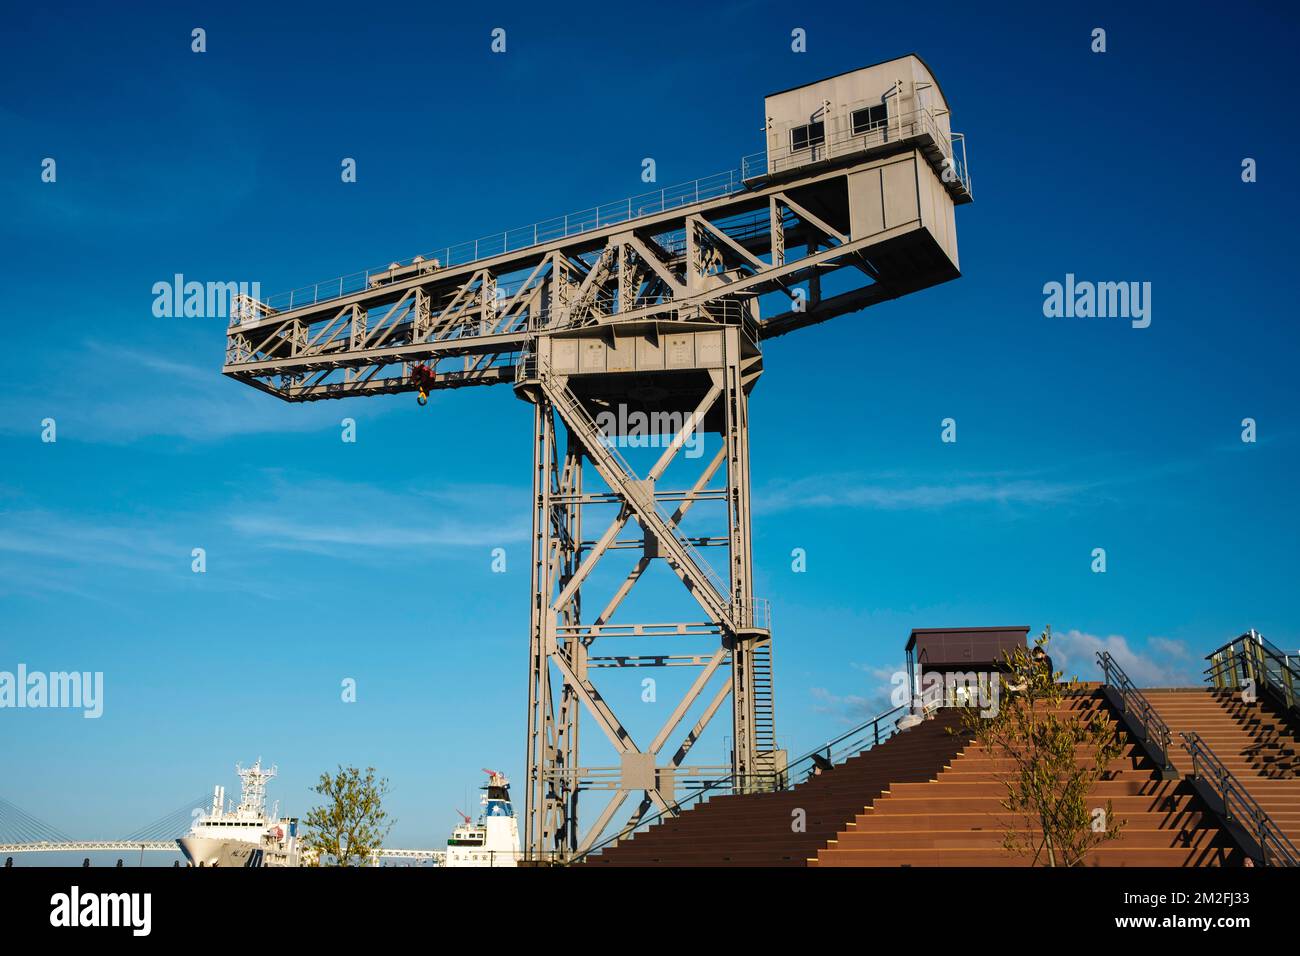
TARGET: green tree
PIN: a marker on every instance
(352, 823)
(1053, 758)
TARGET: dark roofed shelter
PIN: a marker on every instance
(947, 649)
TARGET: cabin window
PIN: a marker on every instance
(807, 136)
(872, 117)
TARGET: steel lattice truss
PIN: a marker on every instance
(660, 312)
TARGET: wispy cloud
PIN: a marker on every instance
(328, 516)
(853, 709)
(52, 552)
(1095, 477)
(157, 396)
(49, 554)
(846, 708)
(179, 371)
(893, 493)
(54, 537)
(1162, 663)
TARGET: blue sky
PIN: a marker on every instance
(372, 560)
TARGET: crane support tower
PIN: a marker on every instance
(646, 309)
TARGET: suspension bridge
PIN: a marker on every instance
(22, 832)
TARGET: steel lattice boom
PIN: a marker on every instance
(654, 309)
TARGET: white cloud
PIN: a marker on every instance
(328, 516)
(853, 709)
(1162, 663)
(43, 550)
(89, 556)
(137, 395)
(38, 534)
(890, 493)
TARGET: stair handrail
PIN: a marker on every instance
(878, 729)
(1255, 654)
(1238, 805)
(1134, 702)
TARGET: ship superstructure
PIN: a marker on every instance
(246, 835)
(494, 839)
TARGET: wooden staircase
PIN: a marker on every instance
(1259, 745)
(958, 818)
(762, 829)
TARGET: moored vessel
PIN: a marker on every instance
(246, 835)
(494, 839)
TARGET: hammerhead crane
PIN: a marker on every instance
(651, 307)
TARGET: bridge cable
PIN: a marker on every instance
(171, 825)
(15, 821)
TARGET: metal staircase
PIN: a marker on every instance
(1224, 792)
(1251, 657)
(1141, 718)
(1235, 805)
(764, 707)
(732, 822)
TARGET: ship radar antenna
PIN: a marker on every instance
(252, 790)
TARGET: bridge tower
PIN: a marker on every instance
(635, 331)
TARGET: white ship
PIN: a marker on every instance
(494, 840)
(244, 836)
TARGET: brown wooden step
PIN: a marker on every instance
(1131, 837)
(1105, 856)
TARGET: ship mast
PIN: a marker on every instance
(252, 788)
